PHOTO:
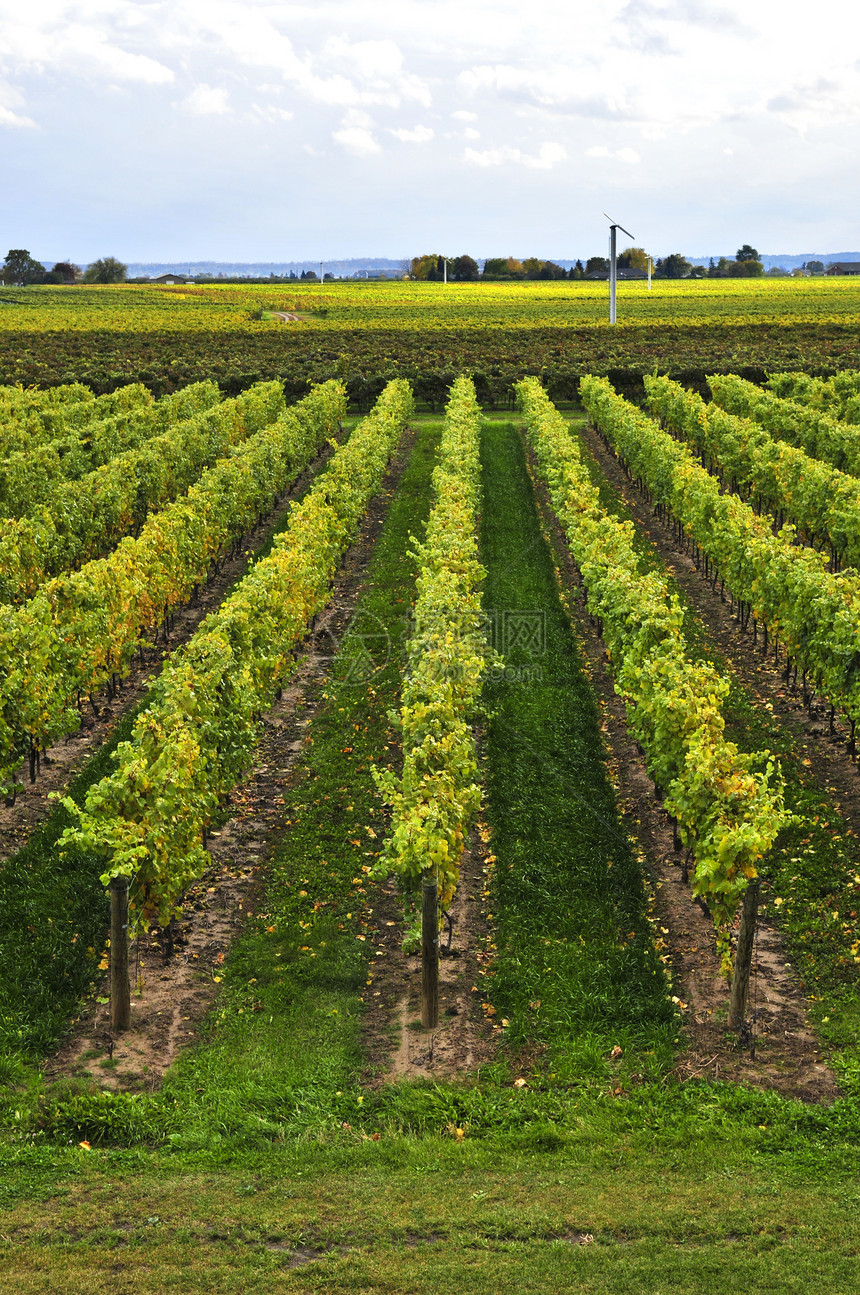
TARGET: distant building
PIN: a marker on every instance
(170, 278)
(844, 267)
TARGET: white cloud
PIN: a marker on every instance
(420, 135)
(356, 134)
(10, 99)
(651, 80)
(10, 118)
(549, 86)
(206, 100)
(267, 112)
(75, 44)
(815, 104)
(628, 155)
(548, 155)
(93, 50)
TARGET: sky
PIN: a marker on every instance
(172, 129)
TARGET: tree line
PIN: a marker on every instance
(21, 268)
(631, 263)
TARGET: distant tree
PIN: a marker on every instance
(535, 268)
(68, 271)
(20, 267)
(777, 272)
(309, 276)
(106, 270)
(426, 267)
(746, 253)
(633, 258)
(494, 266)
(576, 271)
(466, 269)
(698, 272)
(674, 266)
(503, 267)
(815, 267)
(597, 265)
(748, 269)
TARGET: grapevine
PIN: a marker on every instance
(82, 628)
(436, 797)
(783, 586)
(727, 815)
(191, 745)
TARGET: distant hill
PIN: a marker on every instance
(393, 268)
(358, 266)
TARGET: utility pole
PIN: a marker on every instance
(321, 271)
(649, 273)
(613, 274)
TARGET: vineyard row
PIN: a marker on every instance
(84, 519)
(31, 417)
(817, 432)
(782, 586)
(727, 814)
(81, 629)
(437, 796)
(148, 819)
(822, 502)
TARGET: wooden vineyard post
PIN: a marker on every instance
(120, 992)
(743, 956)
(429, 949)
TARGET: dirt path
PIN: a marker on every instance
(787, 1056)
(395, 1045)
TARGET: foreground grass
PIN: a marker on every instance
(596, 1214)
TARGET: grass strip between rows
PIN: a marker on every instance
(576, 970)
